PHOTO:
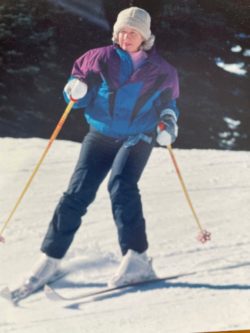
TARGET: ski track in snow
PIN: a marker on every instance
(216, 297)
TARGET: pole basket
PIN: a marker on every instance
(204, 236)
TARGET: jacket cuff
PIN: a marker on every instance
(168, 113)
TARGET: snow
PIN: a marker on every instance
(242, 35)
(232, 123)
(236, 48)
(235, 68)
(214, 297)
(246, 53)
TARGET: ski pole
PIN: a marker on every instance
(51, 140)
(204, 235)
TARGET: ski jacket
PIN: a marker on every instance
(121, 102)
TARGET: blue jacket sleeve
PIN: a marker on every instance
(170, 109)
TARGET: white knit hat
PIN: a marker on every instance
(138, 19)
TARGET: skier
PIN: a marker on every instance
(128, 92)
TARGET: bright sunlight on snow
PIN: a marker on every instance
(214, 292)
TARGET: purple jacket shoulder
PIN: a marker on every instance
(90, 62)
(164, 67)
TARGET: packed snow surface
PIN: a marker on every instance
(212, 295)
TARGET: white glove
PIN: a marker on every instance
(75, 89)
(167, 132)
(164, 138)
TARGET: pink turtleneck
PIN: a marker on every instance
(138, 58)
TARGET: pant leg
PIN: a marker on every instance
(125, 197)
(95, 160)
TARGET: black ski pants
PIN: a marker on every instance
(99, 154)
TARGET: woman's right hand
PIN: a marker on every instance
(75, 89)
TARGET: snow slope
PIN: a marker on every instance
(215, 298)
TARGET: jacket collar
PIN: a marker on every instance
(153, 55)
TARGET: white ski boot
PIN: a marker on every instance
(43, 272)
(134, 267)
(46, 270)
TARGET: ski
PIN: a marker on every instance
(22, 292)
(52, 294)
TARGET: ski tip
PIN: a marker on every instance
(6, 294)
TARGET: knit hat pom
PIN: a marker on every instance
(138, 19)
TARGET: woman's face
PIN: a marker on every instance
(130, 39)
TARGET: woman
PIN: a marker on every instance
(129, 94)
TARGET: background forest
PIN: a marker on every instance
(208, 41)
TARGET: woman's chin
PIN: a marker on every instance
(129, 49)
